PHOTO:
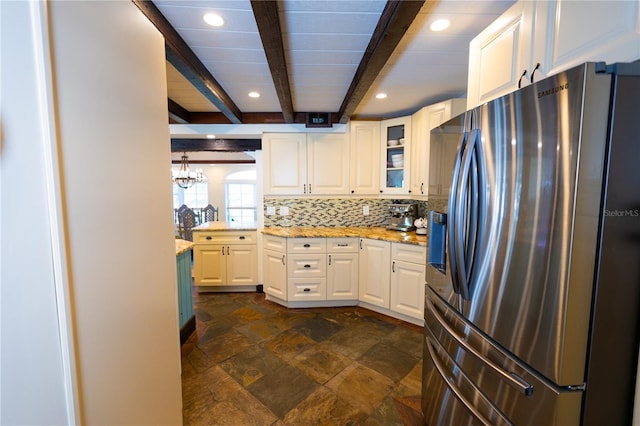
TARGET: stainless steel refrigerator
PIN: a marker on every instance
(533, 283)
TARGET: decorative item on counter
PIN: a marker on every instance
(421, 226)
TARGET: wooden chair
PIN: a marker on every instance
(209, 214)
(187, 222)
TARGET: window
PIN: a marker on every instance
(240, 194)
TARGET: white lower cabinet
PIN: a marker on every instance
(225, 258)
(274, 266)
(342, 268)
(408, 279)
(379, 275)
(374, 269)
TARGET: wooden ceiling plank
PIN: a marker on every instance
(187, 63)
(177, 113)
(226, 145)
(394, 22)
(267, 18)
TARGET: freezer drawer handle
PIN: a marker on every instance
(514, 380)
(433, 353)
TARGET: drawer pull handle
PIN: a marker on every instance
(307, 290)
(343, 245)
(209, 237)
(242, 237)
(307, 266)
(307, 245)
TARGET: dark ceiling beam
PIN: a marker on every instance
(251, 118)
(268, 20)
(180, 55)
(227, 145)
(178, 114)
(394, 22)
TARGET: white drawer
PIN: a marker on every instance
(271, 242)
(409, 253)
(342, 245)
(311, 289)
(306, 245)
(224, 237)
(307, 265)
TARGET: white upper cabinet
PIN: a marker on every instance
(285, 163)
(300, 163)
(396, 155)
(578, 32)
(499, 55)
(535, 39)
(328, 162)
(422, 122)
(365, 157)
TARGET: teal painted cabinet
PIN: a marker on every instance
(185, 299)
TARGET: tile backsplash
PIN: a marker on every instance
(332, 211)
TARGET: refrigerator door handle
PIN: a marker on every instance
(511, 378)
(464, 205)
(476, 221)
(451, 232)
(434, 352)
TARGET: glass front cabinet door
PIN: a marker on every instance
(396, 158)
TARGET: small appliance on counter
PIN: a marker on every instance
(403, 216)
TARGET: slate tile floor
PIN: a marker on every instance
(253, 362)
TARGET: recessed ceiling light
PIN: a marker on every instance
(254, 94)
(213, 19)
(211, 136)
(440, 25)
(381, 95)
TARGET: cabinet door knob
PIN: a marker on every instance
(227, 250)
(307, 290)
(422, 188)
(393, 266)
(329, 260)
(283, 259)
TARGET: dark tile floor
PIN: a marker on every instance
(253, 362)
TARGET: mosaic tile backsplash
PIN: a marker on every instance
(332, 211)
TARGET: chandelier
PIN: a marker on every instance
(185, 179)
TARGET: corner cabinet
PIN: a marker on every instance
(422, 122)
(395, 155)
(295, 163)
(365, 157)
(535, 39)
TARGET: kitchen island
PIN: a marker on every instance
(225, 256)
(373, 267)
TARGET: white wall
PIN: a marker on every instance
(31, 365)
(110, 99)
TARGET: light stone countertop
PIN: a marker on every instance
(182, 246)
(226, 226)
(373, 232)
